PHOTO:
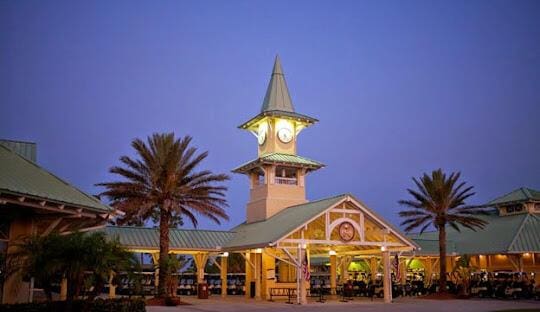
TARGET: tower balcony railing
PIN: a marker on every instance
(286, 181)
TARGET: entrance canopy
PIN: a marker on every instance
(316, 224)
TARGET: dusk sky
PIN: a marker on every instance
(399, 87)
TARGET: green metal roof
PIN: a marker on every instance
(503, 234)
(522, 194)
(277, 94)
(244, 236)
(528, 236)
(279, 158)
(27, 150)
(148, 238)
(23, 177)
(260, 234)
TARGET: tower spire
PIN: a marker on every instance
(277, 96)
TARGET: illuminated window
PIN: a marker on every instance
(285, 175)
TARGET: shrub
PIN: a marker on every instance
(98, 305)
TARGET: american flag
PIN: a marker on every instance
(305, 269)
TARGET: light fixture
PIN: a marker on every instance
(258, 250)
(225, 254)
(383, 248)
(332, 252)
(304, 246)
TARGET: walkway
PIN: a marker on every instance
(400, 305)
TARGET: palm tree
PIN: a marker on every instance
(49, 257)
(37, 257)
(463, 270)
(440, 201)
(163, 181)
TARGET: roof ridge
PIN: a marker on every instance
(526, 192)
(506, 194)
(297, 205)
(40, 168)
(18, 141)
(319, 200)
(521, 226)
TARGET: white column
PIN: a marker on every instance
(300, 285)
(200, 263)
(223, 274)
(387, 278)
(112, 288)
(333, 270)
(258, 266)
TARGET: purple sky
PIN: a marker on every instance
(400, 87)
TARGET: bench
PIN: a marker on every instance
(288, 292)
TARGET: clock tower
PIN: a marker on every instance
(277, 176)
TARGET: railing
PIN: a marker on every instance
(286, 181)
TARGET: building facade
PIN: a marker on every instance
(33, 201)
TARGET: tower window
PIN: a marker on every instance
(514, 208)
(259, 176)
(285, 175)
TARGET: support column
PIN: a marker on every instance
(223, 274)
(268, 277)
(200, 263)
(428, 271)
(112, 287)
(249, 275)
(16, 290)
(403, 271)
(387, 278)
(300, 285)
(345, 263)
(373, 267)
(257, 261)
(155, 260)
(63, 289)
(333, 272)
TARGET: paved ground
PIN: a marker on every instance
(399, 305)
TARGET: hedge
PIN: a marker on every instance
(98, 305)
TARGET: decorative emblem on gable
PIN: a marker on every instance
(346, 231)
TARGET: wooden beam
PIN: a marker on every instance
(248, 261)
(277, 257)
(51, 226)
(296, 264)
(338, 242)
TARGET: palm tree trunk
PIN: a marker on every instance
(163, 251)
(442, 258)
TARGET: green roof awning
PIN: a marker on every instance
(148, 238)
(22, 177)
(518, 233)
(520, 195)
(279, 158)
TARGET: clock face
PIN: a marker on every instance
(285, 135)
(346, 231)
(261, 134)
